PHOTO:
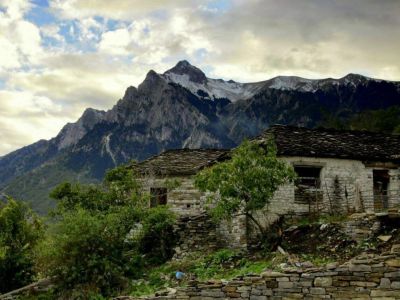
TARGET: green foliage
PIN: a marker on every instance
(245, 183)
(157, 240)
(122, 184)
(223, 263)
(222, 257)
(119, 188)
(20, 229)
(34, 187)
(172, 184)
(317, 260)
(103, 235)
(85, 251)
(216, 263)
(380, 120)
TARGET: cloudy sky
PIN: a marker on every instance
(58, 57)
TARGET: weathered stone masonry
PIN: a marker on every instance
(364, 277)
(195, 229)
(348, 166)
(352, 191)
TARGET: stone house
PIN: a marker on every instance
(178, 166)
(196, 229)
(339, 172)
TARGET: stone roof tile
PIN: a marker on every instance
(181, 162)
(331, 143)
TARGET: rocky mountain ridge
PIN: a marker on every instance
(183, 108)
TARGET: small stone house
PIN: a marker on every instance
(178, 165)
(339, 172)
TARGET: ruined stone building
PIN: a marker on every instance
(178, 166)
(339, 172)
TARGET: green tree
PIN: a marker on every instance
(379, 120)
(119, 188)
(103, 235)
(20, 230)
(245, 183)
(157, 239)
(84, 252)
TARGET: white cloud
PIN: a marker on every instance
(306, 38)
(15, 9)
(26, 118)
(116, 9)
(152, 41)
(42, 87)
(19, 39)
(27, 36)
(90, 29)
(52, 31)
(115, 42)
(8, 54)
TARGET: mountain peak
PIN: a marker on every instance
(183, 67)
(152, 79)
(183, 63)
(354, 78)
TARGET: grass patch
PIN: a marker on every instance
(222, 264)
(317, 261)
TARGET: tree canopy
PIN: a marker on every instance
(104, 234)
(20, 230)
(245, 183)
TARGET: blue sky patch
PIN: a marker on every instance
(220, 5)
(40, 13)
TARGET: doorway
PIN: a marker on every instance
(381, 185)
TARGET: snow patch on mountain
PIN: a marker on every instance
(196, 81)
(215, 88)
(300, 84)
(292, 83)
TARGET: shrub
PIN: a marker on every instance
(20, 229)
(96, 252)
(158, 240)
(103, 235)
(84, 251)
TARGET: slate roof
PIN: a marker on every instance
(331, 143)
(181, 162)
(290, 141)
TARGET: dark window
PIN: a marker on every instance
(308, 184)
(158, 196)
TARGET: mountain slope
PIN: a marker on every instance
(181, 108)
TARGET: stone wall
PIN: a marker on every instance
(347, 186)
(200, 234)
(196, 234)
(195, 228)
(365, 277)
(361, 226)
(185, 199)
(234, 232)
